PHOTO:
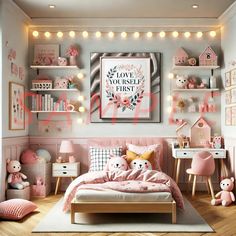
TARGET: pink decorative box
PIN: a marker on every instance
(38, 190)
(19, 193)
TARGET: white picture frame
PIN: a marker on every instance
(125, 87)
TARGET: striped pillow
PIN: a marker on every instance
(99, 156)
(16, 209)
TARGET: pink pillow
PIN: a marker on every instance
(142, 149)
(16, 209)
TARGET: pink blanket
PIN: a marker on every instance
(131, 181)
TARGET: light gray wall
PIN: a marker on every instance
(14, 35)
(228, 39)
(166, 46)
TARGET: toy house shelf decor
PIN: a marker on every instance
(208, 57)
(181, 57)
(200, 135)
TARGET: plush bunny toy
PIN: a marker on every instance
(226, 196)
(15, 177)
(116, 163)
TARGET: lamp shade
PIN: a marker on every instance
(66, 146)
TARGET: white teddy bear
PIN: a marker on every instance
(182, 81)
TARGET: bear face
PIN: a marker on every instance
(181, 81)
(13, 166)
(227, 184)
(140, 164)
(116, 163)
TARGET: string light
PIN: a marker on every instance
(175, 34)
(169, 109)
(149, 34)
(162, 34)
(187, 34)
(72, 34)
(85, 34)
(169, 98)
(212, 34)
(171, 76)
(81, 109)
(81, 98)
(98, 34)
(136, 35)
(111, 34)
(35, 34)
(59, 34)
(123, 34)
(80, 121)
(199, 34)
(47, 34)
(80, 75)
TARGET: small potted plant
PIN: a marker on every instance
(72, 52)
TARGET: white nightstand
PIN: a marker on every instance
(61, 170)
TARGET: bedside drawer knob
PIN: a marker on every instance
(217, 153)
(64, 166)
(185, 153)
(64, 172)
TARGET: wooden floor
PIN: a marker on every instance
(221, 219)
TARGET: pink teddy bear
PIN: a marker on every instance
(226, 197)
(116, 163)
(15, 177)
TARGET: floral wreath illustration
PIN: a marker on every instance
(127, 102)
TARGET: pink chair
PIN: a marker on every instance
(203, 164)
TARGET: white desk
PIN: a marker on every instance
(187, 153)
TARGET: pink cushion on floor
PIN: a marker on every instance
(16, 209)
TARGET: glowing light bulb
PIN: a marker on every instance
(136, 35)
(111, 34)
(123, 34)
(47, 34)
(80, 75)
(80, 121)
(81, 98)
(187, 34)
(81, 109)
(212, 34)
(175, 34)
(35, 34)
(149, 34)
(169, 109)
(59, 34)
(72, 34)
(199, 34)
(98, 34)
(85, 34)
(171, 76)
(169, 98)
(162, 34)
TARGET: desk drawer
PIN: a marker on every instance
(218, 153)
(184, 153)
(66, 166)
(65, 173)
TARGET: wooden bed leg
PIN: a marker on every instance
(72, 215)
(173, 212)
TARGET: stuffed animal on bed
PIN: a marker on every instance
(116, 163)
(226, 196)
(143, 161)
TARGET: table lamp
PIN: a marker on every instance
(66, 147)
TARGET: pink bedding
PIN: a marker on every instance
(132, 181)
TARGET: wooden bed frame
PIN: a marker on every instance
(123, 207)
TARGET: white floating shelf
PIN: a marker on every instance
(54, 67)
(196, 90)
(195, 67)
(53, 111)
(67, 90)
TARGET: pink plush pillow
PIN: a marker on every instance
(142, 149)
(16, 209)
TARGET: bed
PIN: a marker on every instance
(107, 192)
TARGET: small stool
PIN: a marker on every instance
(19, 193)
(203, 164)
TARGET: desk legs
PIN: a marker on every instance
(174, 169)
(177, 170)
(57, 184)
(223, 169)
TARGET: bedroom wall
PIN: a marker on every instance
(13, 35)
(166, 46)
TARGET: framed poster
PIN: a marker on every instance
(233, 95)
(16, 108)
(233, 77)
(228, 116)
(233, 115)
(228, 97)
(125, 87)
(46, 54)
(227, 79)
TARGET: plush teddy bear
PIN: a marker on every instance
(226, 196)
(139, 163)
(217, 142)
(116, 163)
(182, 81)
(15, 177)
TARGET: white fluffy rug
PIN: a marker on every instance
(188, 220)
